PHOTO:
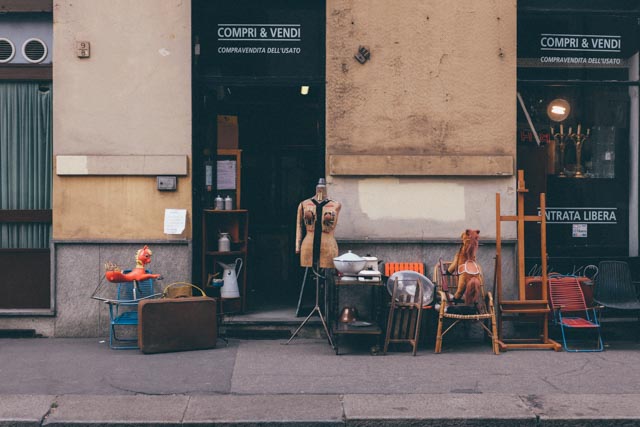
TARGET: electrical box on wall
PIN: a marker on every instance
(167, 183)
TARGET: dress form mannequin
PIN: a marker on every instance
(306, 229)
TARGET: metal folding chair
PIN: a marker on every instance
(571, 312)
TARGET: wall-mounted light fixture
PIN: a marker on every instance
(363, 55)
(558, 109)
(304, 90)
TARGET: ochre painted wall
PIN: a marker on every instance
(131, 97)
(441, 81)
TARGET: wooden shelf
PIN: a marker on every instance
(525, 307)
(225, 253)
(346, 328)
(357, 283)
(236, 224)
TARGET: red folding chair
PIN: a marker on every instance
(571, 311)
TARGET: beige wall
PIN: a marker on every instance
(441, 81)
(131, 97)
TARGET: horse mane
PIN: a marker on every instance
(470, 242)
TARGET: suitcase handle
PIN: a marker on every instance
(164, 293)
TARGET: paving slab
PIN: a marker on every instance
(107, 410)
(437, 410)
(289, 410)
(24, 410)
(89, 366)
(587, 409)
(311, 366)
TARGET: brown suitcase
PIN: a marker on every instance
(177, 324)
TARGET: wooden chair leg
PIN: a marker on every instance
(389, 326)
(416, 339)
(439, 334)
(494, 335)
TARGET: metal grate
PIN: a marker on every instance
(34, 50)
(7, 50)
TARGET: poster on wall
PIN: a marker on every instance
(576, 40)
(273, 39)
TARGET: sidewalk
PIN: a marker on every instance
(61, 382)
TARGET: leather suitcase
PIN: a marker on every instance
(177, 324)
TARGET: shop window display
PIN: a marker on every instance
(578, 129)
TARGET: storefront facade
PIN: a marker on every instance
(415, 134)
(578, 82)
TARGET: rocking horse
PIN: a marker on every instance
(137, 274)
(470, 289)
(476, 305)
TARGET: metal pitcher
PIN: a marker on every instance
(230, 279)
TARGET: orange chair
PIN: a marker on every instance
(392, 267)
(405, 311)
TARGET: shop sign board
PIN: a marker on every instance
(577, 40)
(249, 38)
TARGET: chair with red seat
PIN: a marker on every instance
(571, 311)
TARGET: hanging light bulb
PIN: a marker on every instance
(304, 90)
(558, 109)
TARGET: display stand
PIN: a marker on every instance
(340, 329)
(516, 309)
(316, 309)
(236, 223)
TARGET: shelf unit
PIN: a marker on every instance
(339, 329)
(236, 223)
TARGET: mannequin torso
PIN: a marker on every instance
(306, 228)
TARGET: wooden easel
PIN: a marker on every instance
(522, 306)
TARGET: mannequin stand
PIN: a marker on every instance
(316, 308)
(304, 282)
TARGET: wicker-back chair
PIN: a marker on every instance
(446, 285)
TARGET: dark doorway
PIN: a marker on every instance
(281, 135)
(252, 59)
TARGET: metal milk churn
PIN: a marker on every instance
(224, 243)
(218, 203)
(230, 279)
(228, 203)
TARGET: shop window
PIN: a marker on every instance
(578, 77)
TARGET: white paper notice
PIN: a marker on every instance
(226, 174)
(174, 221)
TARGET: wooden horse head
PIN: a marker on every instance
(143, 256)
(470, 242)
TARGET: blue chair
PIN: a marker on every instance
(123, 312)
(571, 312)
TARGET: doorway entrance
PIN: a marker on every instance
(259, 82)
(280, 133)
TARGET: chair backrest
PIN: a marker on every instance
(566, 294)
(413, 294)
(448, 283)
(392, 267)
(125, 289)
(613, 283)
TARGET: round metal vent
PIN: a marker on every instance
(34, 50)
(7, 50)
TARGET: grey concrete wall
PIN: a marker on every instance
(80, 271)
(431, 252)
